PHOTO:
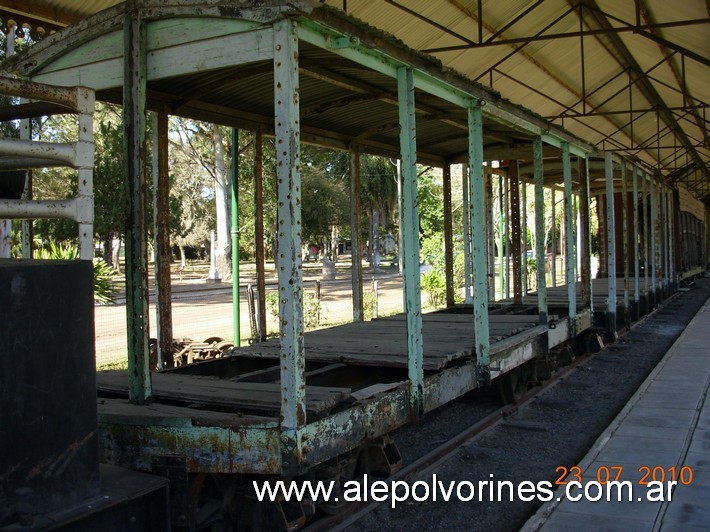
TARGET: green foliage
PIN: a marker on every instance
(369, 304)
(103, 287)
(311, 308)
(433, 282)
(430, 202)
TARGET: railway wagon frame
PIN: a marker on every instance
(312, 74)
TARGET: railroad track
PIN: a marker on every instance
(431, 460)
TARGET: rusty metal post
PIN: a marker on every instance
(570, 259)
(625, 239)
(585, 236)
(645, 234)
(553, 237)
(636, 232)
(610, 244)
(540, 230)
(161, 216)
(288, 260)
(490, 226)
(524, 216)
(139, 388)
(260, 254)
(448, 237)
(514, 192)
(356, 261)
(501, 234)
(654, 243)
(466, 219)
(478, 233)
(236, 300)
(410, 220)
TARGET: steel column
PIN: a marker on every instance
(448, 237)
(553, 237)
(570, 259)
(490, 227)
(288, 260)
(410, 219)
(161, 217)
(506, 241)
(236, 332)
(524, 215)
(645, 234)
(478, 232)
(514, 192)
(585, 237)
(355, 259)
(540, 230)
(501, 278)
(259, 255)
(466, 213)
(139, 383)
(611, 244)
(654, 243)
(637, 265)
(625, 239)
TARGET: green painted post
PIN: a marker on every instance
(570, 259)
(288, 260)
(410, 226)
(610, 243)
(637, 265)
(540, 231)
(235, 237)
(478, 233)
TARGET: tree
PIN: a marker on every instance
(201, 148)
(378, 191)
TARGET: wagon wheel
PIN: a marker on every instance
(213, 340)
(513, 384)
(221, 347)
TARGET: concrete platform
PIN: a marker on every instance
(665, 425)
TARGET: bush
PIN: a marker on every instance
(433, 282)
(311, 308)
(103, 286)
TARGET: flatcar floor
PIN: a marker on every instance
(557, 295)
(251, 385)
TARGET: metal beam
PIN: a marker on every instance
(448, 238)
(478, 233)
(236, 321)
(636, 233)
(610, 244)
(356, 260)
(540, 231)
(161, 215)
(570, 260)
(139, 382)
(410, 220)
(288, 260)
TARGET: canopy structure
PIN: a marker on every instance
(628, 77)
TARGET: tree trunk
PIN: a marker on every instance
(376, 239)
(107, 245)
(223, 242)
(183, 262)
(115, 252)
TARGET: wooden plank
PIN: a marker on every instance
(117, 410)
(214, 391)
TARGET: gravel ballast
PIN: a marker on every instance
(555, 429)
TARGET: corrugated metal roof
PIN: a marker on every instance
(609, 95)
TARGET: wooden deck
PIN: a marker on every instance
(383, 341)
(333, 352)
(557, 295)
